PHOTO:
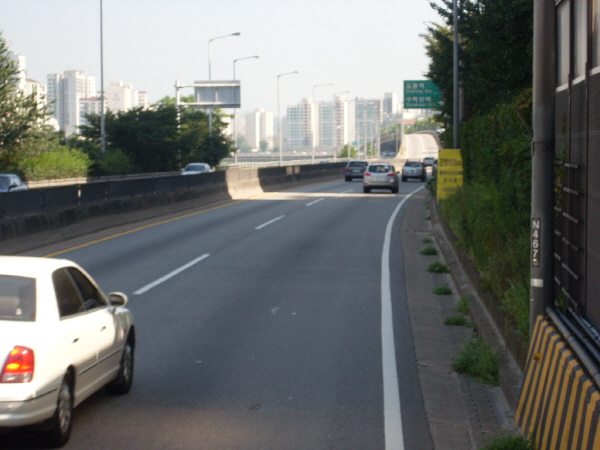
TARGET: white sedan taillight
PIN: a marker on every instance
(19, 366)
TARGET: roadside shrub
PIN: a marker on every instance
(478, 360)
(61, 162)
(496, 237)
(463, 306)
(509, 442)
(429, 251)
(442, 290)
(459, 321)
(437, 267)
(115, 162)
(490, 214)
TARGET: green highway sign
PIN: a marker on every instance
(421, 94)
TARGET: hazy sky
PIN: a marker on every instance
(367, 47)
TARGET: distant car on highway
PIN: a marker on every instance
(355, 169)
(196, 168)
(61, 340)
(381, 176)
(413, 169)
(428, 161)
(11, 183)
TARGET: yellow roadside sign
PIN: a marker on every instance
(450, 172)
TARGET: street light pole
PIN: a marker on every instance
(235, 149)
(210, 121)
(102, 116)
(312, 139)
(279, 116)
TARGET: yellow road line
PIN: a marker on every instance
(107, 238)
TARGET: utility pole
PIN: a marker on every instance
(542, 147)
(456, 109)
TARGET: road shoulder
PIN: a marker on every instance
(462, 412)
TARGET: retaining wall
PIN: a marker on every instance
(29, 212)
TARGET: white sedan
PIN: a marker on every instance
(61, 340)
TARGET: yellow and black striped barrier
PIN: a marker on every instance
(559, 404)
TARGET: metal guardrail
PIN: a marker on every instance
(260, 165)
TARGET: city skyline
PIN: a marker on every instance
(364, 47)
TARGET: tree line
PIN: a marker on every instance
(490, 214)
(160, 138)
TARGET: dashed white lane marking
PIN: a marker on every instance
(171, 274)
(269, 222)
(315, 201)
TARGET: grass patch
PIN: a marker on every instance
(430, 251)
(427, 241)
(478, 360)
(458, 321)
(463, 306)
(438, 267)
(442, 290)
(509, 442)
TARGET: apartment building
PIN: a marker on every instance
(301, 126)
(64, 94)
(332, 125)
(367, 121)
(259, 127)
(390, 103)
(122, 96)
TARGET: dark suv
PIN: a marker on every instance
(355, 169)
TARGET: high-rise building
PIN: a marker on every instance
(20, 63)
(367, 117)
(64, 92)
(390, 103)
(301, 126)
(259, 127)
(121, 96)
(87, 106)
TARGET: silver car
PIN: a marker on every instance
(11, 183)
(414, 169)
(380, 176)
(196, 168)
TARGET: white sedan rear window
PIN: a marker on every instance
(17, 298)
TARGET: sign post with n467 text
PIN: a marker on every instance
(449, 172)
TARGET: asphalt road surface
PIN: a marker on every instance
(274, 323)
(419, 146)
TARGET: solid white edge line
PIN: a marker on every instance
(170, 275)
(394, 437)
(269, 222)
(316, 201)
